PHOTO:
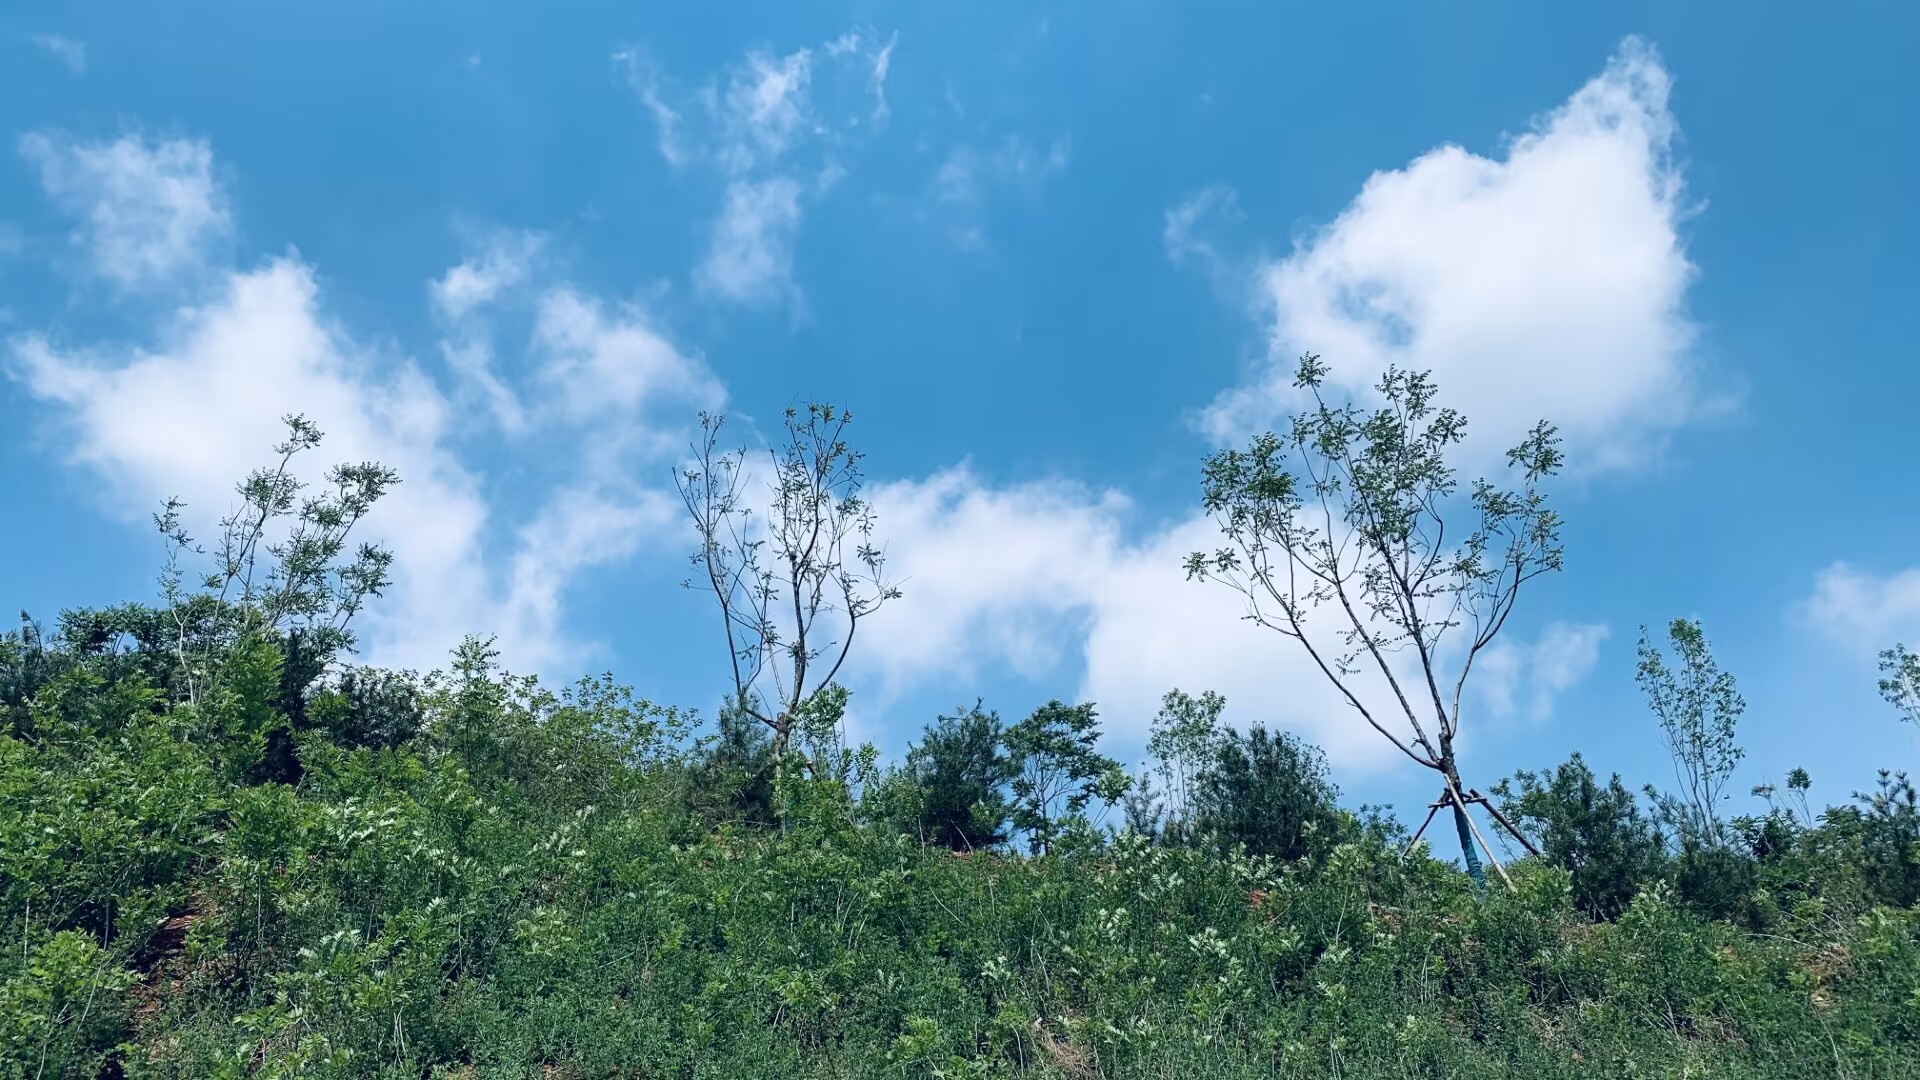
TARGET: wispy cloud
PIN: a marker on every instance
(776, 129)
(1864, 610)
(968, 174)
(1188, 228)
(70, 52)
(750, 253)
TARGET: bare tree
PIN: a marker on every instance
(1345, 517)
(793, 580)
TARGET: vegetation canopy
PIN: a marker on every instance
(226, 851)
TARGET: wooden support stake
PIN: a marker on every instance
(1431, 810)
(1502, 819)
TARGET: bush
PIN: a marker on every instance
(1598, 835)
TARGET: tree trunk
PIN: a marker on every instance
(1469, 854)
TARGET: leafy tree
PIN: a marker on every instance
(1345, 517)
(1792, 804)
(1141, 810)
(1888, 821)
(737, 773)
(794, 583)
(1901, 686)
(367, 708)
(282, 566)
(962, 771)
(1267, 791)
(1057, 769)
(1698, 707)
(1596, 833)
(1182, 741)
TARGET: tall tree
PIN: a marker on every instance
(793, 579)
(1698, 707)
(1345, 518)
(1058, 769)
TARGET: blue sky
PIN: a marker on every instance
(1050, 256)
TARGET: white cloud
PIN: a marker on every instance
(150, 213)
(967, 174)
(1549, 283)
(613, 366)
(189, 411)
(882, 64)
(70, 52)
(644, 77)
(461, 298)
(1519, 680)
(750, 252)
(879, 61)
(191, 415)
(764, 109)
(991, 577)
(1041, 575)
(506, 261)
(1185, 230)
(1864, 610)
(967, 170)
(775, 128)
(578, 529)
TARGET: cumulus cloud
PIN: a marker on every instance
(1043, 575)
(991, 576)
(198, 401)
(70, 52)
(191, 415)
(1864, 610)
(150, 213)
(1548, 282)
(776, 129)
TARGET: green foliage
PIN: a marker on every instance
(1182, 742)
(960, 769)
(1698, 707)
(1343, 520)
(223, 854)
(1268, 793)
(1901, 682)
(530, 884)
(1057, 769)
(1596, 834)
(794, 575)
